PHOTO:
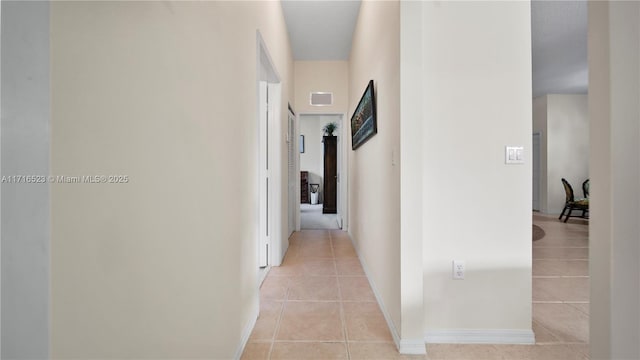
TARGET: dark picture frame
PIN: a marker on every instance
(364, 123)
(301, 144)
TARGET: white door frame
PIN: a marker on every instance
(269, 211)
(536, 152)
(343, 167)
(293, 155)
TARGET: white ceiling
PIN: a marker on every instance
(323, 29)
(559, 46)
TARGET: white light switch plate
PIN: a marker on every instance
(514, 155)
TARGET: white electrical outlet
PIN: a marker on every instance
(458, 269)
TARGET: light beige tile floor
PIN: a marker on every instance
(319, 305)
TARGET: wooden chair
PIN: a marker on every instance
(585, 188)
(572, 204)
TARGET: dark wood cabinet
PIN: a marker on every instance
(330, 175)
(304, 187)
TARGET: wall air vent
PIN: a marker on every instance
(321, 99)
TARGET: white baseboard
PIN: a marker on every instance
(387, 317)
(412, 347)
(480, 336)
(246, 332)
(404, 346)
(262, 274)
(456, 336)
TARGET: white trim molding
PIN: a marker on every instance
(246, 332)
(412, 347)
(404, 346)
(480, 336)
(383, 308)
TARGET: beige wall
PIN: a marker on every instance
(563, 122)
(477, 100)
(614, 113)
(374, 177)
(411, 191)
(321, 76)
(567, 147)
(25, 148)
(164, 266)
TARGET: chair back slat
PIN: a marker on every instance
(568, 190)
(585, 188)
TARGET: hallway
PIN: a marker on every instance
(312, 218)
(319, 305)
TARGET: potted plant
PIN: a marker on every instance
(329, 128)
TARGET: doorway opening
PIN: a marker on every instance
(559, 149)
(323, 180)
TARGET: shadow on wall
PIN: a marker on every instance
(490, 287)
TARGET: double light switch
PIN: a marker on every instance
(514, 155)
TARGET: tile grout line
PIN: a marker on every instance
(276, 330)
(343, 322)
(587, 314)
(289, 301)
(558, 259)
(279, 321)
(286, 295)
(567, 260)
(560, 341)
(333, 301)
(561, 301)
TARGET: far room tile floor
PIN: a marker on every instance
(319, 305)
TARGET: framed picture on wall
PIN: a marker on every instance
(363, 122)
(301, 144)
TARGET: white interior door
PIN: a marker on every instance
(265, 193)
